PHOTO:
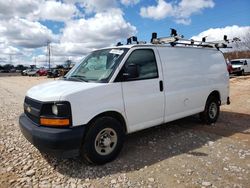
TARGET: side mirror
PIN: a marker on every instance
(245, 63)
(131, 72)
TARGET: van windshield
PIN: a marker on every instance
(98, 66)
(236, 62)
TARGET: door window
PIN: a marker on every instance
(145, 61)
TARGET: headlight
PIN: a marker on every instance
(59, 109)
(56, 114)
(54, 109)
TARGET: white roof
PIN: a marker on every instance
(157, 45)
(240, 59)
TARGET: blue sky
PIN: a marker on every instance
(76, 27)
(224, 13)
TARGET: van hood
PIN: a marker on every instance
(55, 90)
(237, 66)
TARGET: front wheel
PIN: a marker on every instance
(103, 141)
(241, 73)
(211, 111)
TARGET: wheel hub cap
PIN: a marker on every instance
(212, 110)
(106, 141)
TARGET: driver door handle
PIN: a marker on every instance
(161, 85)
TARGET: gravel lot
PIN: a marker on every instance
(182, 153)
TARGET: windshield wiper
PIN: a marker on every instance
(78, 77)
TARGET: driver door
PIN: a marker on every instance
(143, 96)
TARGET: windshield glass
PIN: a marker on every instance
(237, 62)
(98, 66)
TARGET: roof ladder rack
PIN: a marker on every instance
(175, 39)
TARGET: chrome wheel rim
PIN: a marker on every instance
(212, 110)
(105, 141)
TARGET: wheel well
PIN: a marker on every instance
(113, 114)
(215, 94)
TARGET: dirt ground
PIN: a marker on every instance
(183, 153)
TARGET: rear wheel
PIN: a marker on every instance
(211, 111)
(103, 141)
(241, 73)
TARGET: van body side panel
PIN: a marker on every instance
(87, 104)
(190, 75)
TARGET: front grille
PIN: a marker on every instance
(32, 118)
(33, 103)
(32, 109)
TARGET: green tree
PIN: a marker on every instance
(59, 67)
(8, 67)
(68, 63)
(20, 67)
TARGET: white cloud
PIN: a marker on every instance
(24, 33)
(20, 8)
(90, 6)
(55, 10)
(37, 10)
(181, 11)
(215, 34)
(104, 29)
(162, 10)
(9, 50)
(184, 21)
(21, 31)
(130, 2)
(99, 5)
(188, 7)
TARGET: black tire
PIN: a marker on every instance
(241, 73)
(211, 111)
(101, 132)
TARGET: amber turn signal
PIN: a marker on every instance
(54, 122)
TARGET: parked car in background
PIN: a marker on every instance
(32, 72)
(240, 66)
(42, 72)
(229, 67)
(25, 72)
(12, 70)
(53, 73)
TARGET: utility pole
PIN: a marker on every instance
(11, 59)
(48, 52)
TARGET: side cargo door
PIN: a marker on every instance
(143, 96)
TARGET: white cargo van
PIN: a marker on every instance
(240, 66)
(120, 90)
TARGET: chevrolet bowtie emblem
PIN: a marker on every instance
(28, 109)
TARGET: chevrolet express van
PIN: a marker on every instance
(120, 90)
(240, 66)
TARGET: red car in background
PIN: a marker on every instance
(42, 72)
(229, 67)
